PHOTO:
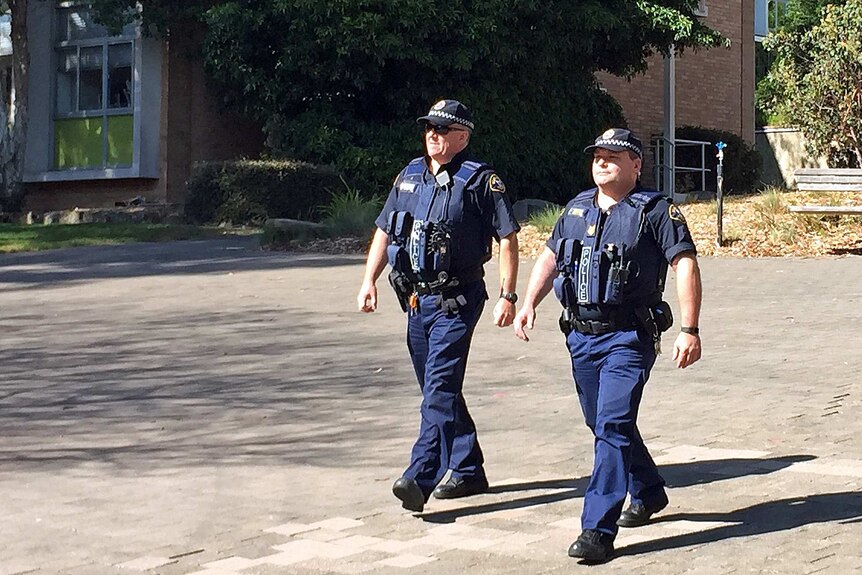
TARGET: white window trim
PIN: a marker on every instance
(107, 173)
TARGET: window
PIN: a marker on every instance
(94, 93)
(769, 15)
(701, 9)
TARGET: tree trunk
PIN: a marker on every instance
(14, 113)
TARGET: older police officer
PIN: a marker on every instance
(606, 260)
(435, 231)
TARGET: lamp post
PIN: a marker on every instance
(719, 236)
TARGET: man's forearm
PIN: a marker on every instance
(376, 256)
(509, 263)
(542, 278)
(688, 289)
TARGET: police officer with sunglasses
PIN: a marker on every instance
(606, 262)
(435, 231)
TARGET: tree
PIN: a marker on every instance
(13, 114)
(817, 81)
(339, 80)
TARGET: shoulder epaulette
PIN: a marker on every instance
(470, 169)
(643, 198)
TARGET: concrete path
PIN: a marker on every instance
(204, 407)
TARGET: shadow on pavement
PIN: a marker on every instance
(677, 475)
(780, 515)
(236, 254)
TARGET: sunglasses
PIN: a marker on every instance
(442, 130)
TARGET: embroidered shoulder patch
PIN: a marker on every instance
(675, 213)
(495, 184)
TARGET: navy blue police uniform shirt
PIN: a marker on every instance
(487, 211)
(665, 235)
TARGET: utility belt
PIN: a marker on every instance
(407, 289)
(655, 319)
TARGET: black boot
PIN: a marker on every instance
(410, 494)
(461, 487)
(592, 546)
(639, 514)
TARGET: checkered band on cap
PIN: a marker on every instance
(622, 143)
(453, 117)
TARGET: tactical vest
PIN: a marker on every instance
(604, 260)
(444, 236)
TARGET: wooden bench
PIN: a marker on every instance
(828, 180)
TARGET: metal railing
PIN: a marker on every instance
(663, 171)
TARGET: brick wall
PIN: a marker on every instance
(714, 88)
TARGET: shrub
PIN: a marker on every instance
(249, 191)
(349, 214)
(741, 162)
(545, 219)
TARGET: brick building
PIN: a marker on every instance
(714, 88)
(116, 117)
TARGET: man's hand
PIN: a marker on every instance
(367, 298)
(686, 350)
(525, 318)
(504, 313)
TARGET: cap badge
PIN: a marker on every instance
(608, 134)
(439, 105)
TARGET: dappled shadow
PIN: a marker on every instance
(676, 475)
(234, 254)
(149, 385)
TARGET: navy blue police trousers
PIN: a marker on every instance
(439, 344)
(610, 373)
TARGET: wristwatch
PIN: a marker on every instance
(509, 296)
(690, 330)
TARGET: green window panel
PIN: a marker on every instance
(121, 137)
(78, 143)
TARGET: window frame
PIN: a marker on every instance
(105, 171)
(702, 10)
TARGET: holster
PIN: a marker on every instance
(655, 319)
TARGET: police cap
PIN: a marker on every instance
(446, 112)
(618, 140)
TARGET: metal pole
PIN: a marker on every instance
(719, 236)
(669, 159)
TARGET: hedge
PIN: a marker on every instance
(249, 191)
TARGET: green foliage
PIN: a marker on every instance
(349, 214)
(815, 82)
(545, 219)
(742, 162)
(340, 81)
(247, 191)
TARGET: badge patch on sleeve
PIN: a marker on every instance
(675, 213)
(495, 184)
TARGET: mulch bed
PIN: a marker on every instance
(753, 226)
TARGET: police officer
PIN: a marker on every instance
(435, 231)
(606, 261)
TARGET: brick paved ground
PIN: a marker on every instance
(206, 408)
